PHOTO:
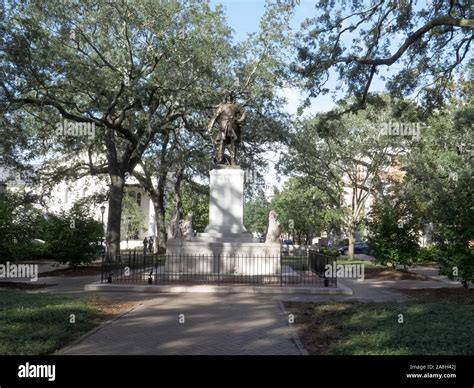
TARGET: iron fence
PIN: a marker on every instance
(308, 269)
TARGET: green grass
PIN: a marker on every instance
(367, 263)
(355, 328)
(35, 323)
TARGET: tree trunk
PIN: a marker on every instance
(351, 243)
(158, 199)
(177, 193)
(114, 216)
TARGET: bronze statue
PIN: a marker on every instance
(231, 119)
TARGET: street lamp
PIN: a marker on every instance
(102, 211)
(127, 228)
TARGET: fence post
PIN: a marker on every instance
(281, 269)
(219, 268)
(102, 270)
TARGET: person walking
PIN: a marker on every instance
(150, 244)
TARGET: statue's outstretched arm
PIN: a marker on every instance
(213, 120)
(243, 115)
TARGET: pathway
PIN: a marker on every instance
(231, 324)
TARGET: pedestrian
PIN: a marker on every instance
(150, 244)
(145, 244)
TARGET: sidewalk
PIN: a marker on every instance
(231, 324)
(433, 273)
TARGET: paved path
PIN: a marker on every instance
(232, 324)
(433, 273)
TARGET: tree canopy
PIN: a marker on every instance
(421, 45)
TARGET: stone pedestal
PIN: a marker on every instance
(226, 202)
(225, 247)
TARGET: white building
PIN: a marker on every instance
(94, 189)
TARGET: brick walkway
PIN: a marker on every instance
(231, 324)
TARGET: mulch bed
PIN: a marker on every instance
(112, 307)
(391, 274)
(458, 295)
(89, 270)
(24, 286)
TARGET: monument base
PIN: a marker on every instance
(225, 247)
(221, 246)
(232, 258)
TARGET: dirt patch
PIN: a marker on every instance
(111, 307)
(318, 326)
(89, 270)
(458, 295)
(24, 286)
(391, 274)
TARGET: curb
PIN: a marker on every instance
(294, 334)
(102, 325)
(179, 289)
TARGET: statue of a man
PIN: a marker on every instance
(231, 119)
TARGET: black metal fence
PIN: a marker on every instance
(308, 269)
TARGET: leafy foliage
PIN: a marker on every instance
(16, 228)
(132, 216)
(256, 213)
(73, 237)
(393, 231)
(355, 40)
(440, 175)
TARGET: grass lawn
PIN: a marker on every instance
(441, 324)
(367, 263)
(36, 323)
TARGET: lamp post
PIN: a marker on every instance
(127, 228)
(102, 211)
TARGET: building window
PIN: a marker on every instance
(139, 199)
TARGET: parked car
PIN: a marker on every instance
(287, 246)
(360, 247)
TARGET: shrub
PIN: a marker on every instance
(329, 251)
(73, 237)
(16, 228)
(393, 237)
(457, 263)
(431, 253)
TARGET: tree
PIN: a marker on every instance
(254, 69)
(357, 40)
(256, 214)
(142, 79)
(197, 203)
(394, 224)
(126, 69)
(305, 211)
(440, 174)
(16, 226)
(73, 237)
(132, 216)
(344, 154)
